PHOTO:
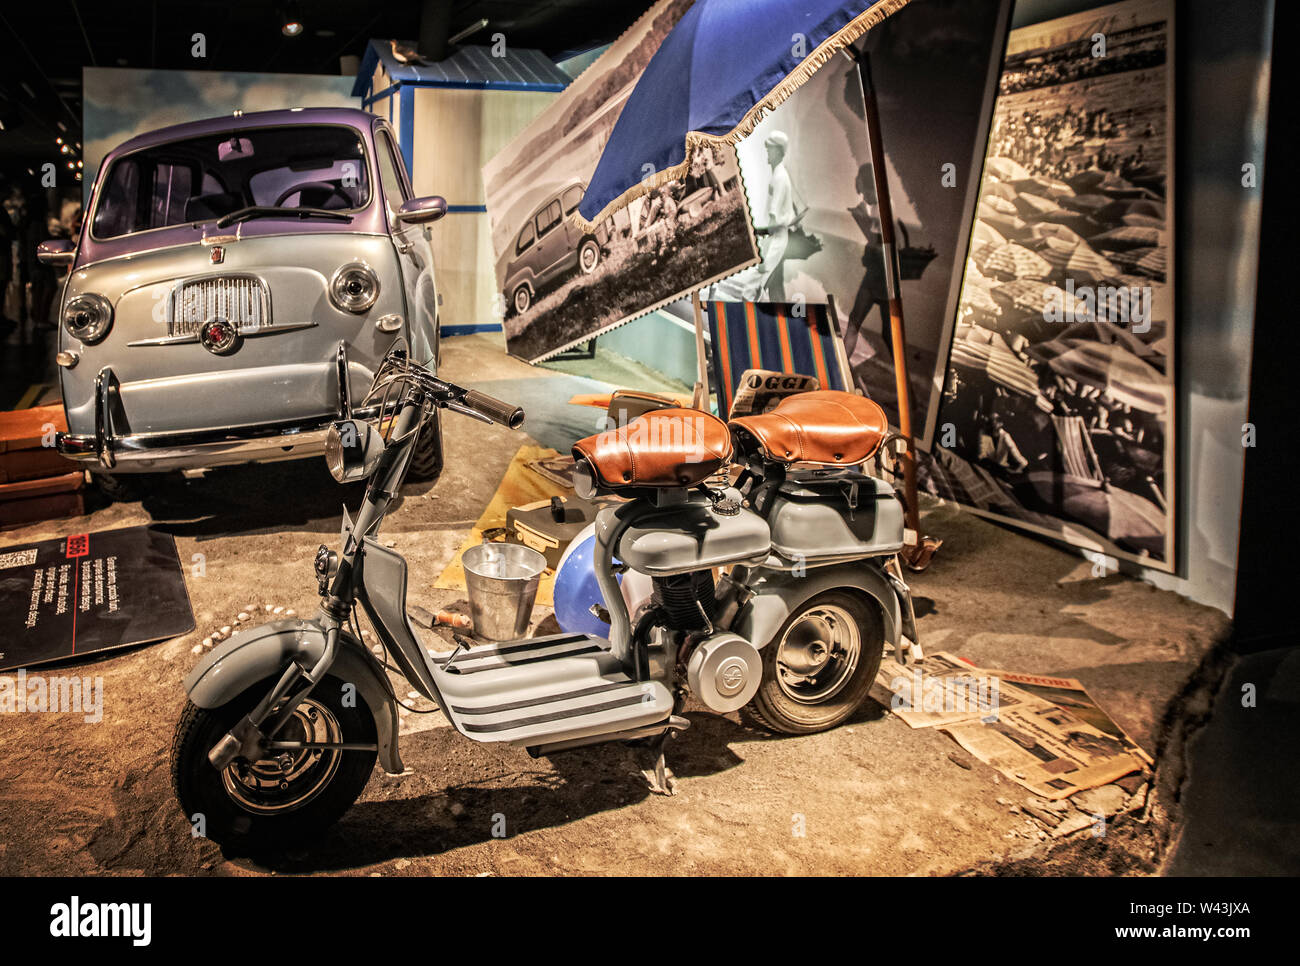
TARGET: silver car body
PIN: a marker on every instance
(149, 396)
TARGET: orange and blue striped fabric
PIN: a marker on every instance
(770, 335)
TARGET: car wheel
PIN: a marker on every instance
(588, 256)
(126, 488)
(523, 299)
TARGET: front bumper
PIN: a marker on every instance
(198, 449)
(164, 452)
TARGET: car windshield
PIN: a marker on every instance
(200, 179)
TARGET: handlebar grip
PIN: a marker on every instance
(494, 409)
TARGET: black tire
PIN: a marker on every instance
(522, 299)
(588, 256)
(426, 459)
(201, 789)
(124, 488)
(778, 711)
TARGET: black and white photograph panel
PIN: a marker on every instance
(1058, 406)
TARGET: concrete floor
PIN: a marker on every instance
(1239, 804)
(874, 796)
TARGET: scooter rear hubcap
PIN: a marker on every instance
(818, 654)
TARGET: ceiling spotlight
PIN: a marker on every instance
(290, 22)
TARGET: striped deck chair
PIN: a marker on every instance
(1074, 448)
(769, 335)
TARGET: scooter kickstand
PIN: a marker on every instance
(659, 777)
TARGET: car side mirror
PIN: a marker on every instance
(56, 251)
(421, 211)
(352, 450)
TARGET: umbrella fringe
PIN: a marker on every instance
(840, 40)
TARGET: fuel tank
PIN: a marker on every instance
(690, 535)
(835, 515)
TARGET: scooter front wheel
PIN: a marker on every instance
(253, 806)
(818, 669)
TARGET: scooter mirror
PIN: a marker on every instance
(352, 450)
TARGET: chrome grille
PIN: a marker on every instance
(241, 300)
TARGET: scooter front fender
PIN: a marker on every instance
(778, 593)
(263, 652)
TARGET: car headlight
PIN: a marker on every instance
(354, 287)
(87, 317)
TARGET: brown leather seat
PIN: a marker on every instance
(663, 448)
(823, 426)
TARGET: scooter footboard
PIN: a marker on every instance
(778, 593)
(263, 652)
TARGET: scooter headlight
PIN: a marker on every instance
(354, 288)
(352, 450)
(87, 317)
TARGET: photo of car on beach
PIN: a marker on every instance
(560, 286)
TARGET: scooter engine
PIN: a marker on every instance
(724, 671)
(686, 600)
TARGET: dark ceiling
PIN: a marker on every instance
(46, 44)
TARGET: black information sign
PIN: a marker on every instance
(89, 592)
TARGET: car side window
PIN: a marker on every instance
(572, 197)
(172, 190)
(526, 238)
(548, 218)
(389, 175)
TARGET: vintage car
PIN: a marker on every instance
(236, 282)
(549, 248)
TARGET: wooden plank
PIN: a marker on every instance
(25, 489)
(25, 428)
(32, 464)
(15, 513)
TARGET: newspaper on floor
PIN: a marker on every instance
(1047, 749)
(1070, 694)
(1044, 733)
(945, 690)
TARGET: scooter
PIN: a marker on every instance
(285, 721)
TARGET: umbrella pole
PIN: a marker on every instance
(917, 554)
(700, 397)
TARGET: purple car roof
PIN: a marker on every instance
(349, 116)
(371, 219)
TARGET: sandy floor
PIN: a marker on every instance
(874, 797)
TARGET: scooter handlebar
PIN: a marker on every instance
(499, 411)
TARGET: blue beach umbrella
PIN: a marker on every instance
(725, 64)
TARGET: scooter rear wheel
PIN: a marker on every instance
(251, 807)
(818, 669)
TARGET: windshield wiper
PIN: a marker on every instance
(269, 211)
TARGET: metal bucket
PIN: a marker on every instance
(502, 579)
